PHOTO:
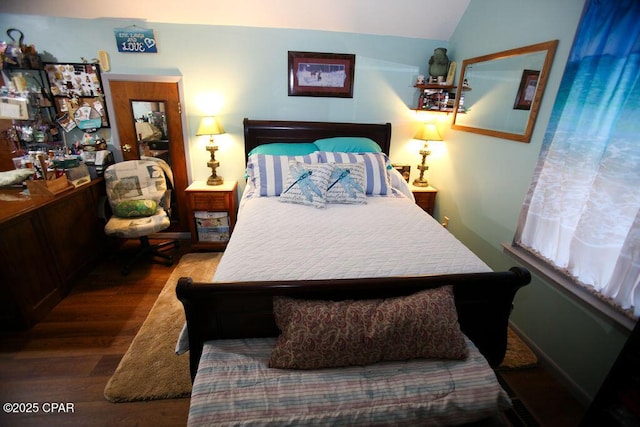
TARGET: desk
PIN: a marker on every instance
(45, 245)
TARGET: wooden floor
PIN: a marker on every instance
(64, 362)
(546, 402)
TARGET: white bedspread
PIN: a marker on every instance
(388, 236)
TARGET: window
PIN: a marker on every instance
(582, 212)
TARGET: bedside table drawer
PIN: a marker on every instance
(425, 198)
(210, 201)
(205, 202)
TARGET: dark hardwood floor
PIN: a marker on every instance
(543, 400)
(70, 355)
(64, 362)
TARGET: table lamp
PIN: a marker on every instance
(210, 126)
(427, 132)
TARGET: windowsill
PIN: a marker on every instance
(567, 285)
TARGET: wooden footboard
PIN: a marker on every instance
(245, 309)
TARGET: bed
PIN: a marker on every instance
(258, 352)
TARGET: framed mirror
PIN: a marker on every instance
(152, 132)
(499, 94)
(150, 121)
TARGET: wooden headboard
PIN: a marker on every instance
(258, 132)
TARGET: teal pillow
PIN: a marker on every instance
(135, 208)
(348, 144)
(285, 149)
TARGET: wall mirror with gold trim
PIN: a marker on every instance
(503, 91)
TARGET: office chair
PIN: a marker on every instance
(137, 193)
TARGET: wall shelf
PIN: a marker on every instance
(438, 98)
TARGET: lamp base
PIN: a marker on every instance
(421, 183)
(215, 180)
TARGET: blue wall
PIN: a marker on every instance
(237, 72)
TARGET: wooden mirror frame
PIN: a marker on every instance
(550, 48)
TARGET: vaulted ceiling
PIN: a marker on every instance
(427, 19)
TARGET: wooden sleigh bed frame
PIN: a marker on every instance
(245, 309)
(259, 132)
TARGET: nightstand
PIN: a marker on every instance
(212, 214)
(425, 197)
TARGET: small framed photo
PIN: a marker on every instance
(405, 170)
(321, 74)
(451, 74)
(66, 122)
(527, 90)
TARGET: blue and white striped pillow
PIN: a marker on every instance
(269, 173)
(377, 177)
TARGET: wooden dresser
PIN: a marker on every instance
(45, 245)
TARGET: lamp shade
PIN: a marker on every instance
(209, 126)
(428, 132)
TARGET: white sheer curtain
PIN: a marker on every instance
(582, 213)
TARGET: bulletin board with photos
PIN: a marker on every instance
(78, 94)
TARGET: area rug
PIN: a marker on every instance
(150, 369)
(518, 355)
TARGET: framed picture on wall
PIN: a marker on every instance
(527, 90)
(321, 74)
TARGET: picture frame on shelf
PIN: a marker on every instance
(526, 90)
(321, 74)
(451, 74)
(404, 169)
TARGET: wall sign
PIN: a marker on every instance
(135, 40)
